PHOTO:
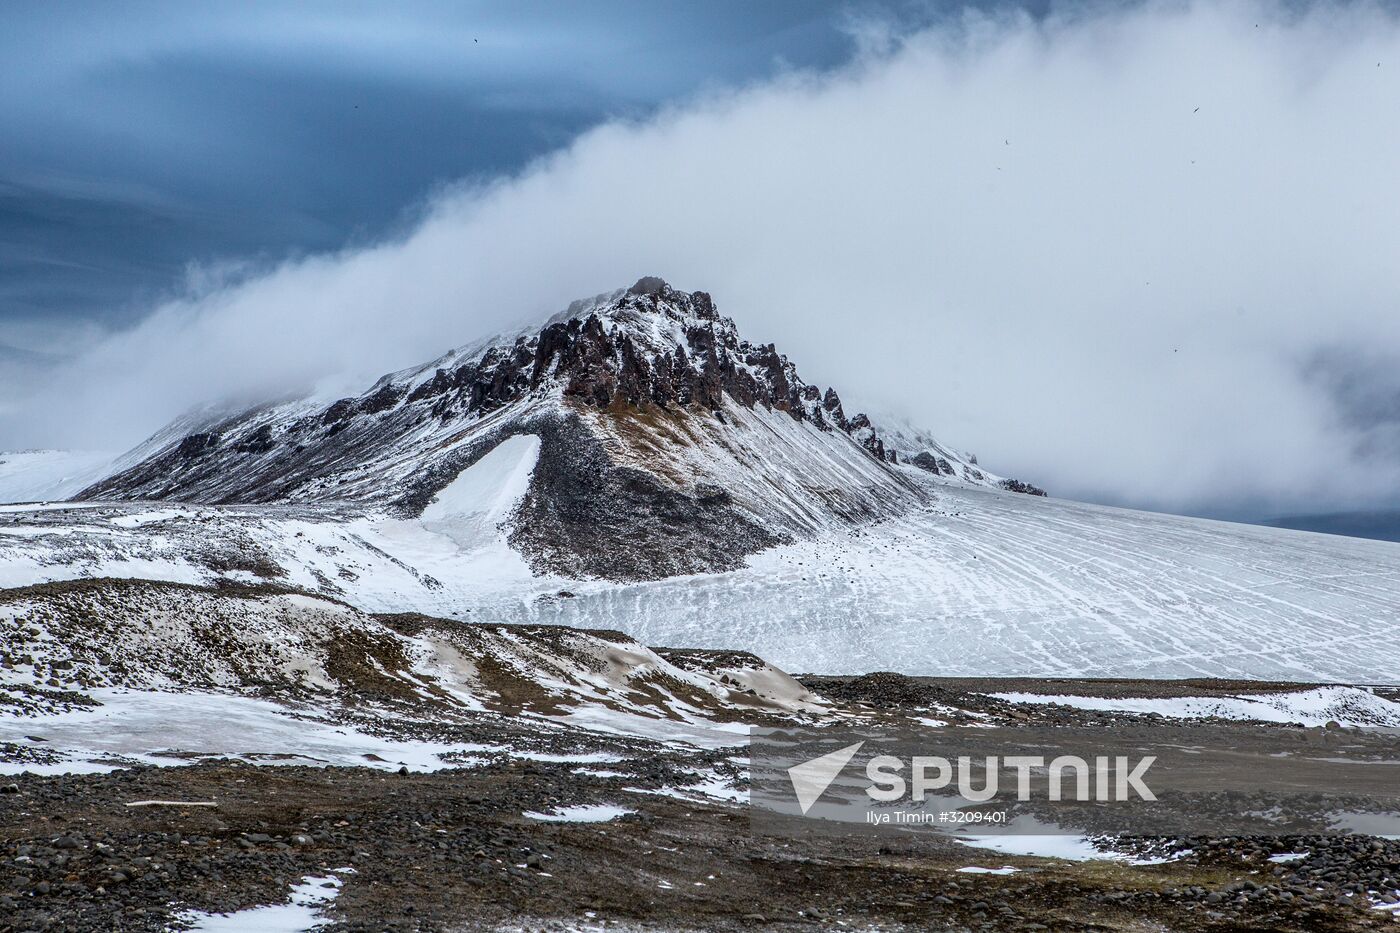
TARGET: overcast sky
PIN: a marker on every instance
(1142, 254)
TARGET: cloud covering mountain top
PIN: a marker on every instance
(1141, 256)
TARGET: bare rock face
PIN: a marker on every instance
(668, 443)
(587, 517)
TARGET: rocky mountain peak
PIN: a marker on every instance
(657, 346)
(667, 442)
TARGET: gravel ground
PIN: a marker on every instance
(455, 850)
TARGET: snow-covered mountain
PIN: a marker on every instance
(635, 465)
(666, 444)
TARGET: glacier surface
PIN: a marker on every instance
(987, 583)
(979, 583)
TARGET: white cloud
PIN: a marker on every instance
(1025, 234)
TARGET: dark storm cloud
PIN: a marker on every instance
(138, 140)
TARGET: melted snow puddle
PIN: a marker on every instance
(582, 813)
(301, 912)
(1069, 848)
(1384, 825)
(1038, 839)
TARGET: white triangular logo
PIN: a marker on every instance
(811, 778)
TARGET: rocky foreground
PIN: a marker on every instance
(453, 850)
(613, 832)
(172, 754)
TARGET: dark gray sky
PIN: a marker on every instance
(139, 138)
(1139, 253)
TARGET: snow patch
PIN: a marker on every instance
(1284, 857)
(1344, 705)
(178, 728)
(470, 508)
(974, 870)
(301, 913)
(582, 813)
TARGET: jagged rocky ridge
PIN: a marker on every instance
(669, 445)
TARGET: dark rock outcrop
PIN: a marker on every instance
(1015, 485)
(196, 445)
(927, 461)
(588, 517)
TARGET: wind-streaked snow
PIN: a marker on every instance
(993, 583)
(787, 475)
(980, 583)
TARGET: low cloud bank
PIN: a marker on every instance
(1143, 257)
